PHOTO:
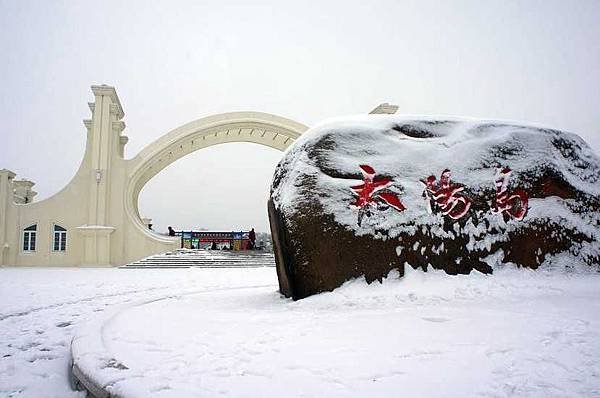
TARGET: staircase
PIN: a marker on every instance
(186, 258)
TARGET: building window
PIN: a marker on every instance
(60, 239)
(29, 238)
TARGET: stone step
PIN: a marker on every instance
(204, 265)
(194, 265)
(205, 259)
(215, 260)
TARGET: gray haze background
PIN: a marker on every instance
(176, 61)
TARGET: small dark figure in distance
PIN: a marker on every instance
(171, 231)
(213, 246)
(252, 237)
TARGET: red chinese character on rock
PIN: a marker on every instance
(372, 193)
(510, 204)
(444, 195)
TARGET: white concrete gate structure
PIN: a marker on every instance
(94, 220)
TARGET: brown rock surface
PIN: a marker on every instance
(333, 220)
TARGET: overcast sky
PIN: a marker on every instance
(175, 61)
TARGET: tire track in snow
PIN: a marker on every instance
(73, 302)
(103, 296)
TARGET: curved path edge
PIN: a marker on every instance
(87, 346)
(89, 354)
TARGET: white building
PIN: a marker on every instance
(94, 220)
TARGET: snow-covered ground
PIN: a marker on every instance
(41, 308)
(227, 332)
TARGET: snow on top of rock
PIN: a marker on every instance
(408, 149)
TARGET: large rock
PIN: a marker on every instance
(366, 195)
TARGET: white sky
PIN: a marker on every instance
(176, 61)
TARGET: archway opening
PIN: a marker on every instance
(224, 187)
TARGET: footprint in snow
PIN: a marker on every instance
(435, 319)
(42, 357)
(160, 388)
(500, 351)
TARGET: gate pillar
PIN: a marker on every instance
(106, 149)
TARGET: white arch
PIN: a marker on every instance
(261, 128)
(99, 206)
